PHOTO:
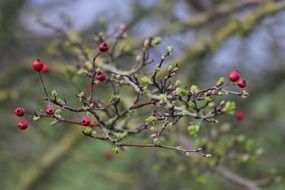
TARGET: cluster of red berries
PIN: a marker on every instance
(20, 112)
(23, 124)
(103, 47)
(40, 66)
(235, 76)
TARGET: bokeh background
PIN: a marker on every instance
(210, 37)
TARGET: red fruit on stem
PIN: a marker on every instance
(108, 155)
(240, 116)
(38, 65)
(234, 75)
(242, 83)
(85, 121)
(20, 111)
(50, 110)
(100, 76)
(45, 68)
(103, 47)
(23, 124)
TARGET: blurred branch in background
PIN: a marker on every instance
(207, 17)
(244, 25)
(52, 157)
(237, 179)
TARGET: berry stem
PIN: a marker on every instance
(44, 87)
(93, 74)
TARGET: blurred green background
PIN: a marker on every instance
(211, 37)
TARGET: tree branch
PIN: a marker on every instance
(237, 179)
(246, 25)
(30, 179)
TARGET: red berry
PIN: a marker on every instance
(240, 116)
(45, 68)
(108, 155)
(23, 124)
(103, 47)
(100, 76)
(85, 121)
(38, 65)
(234, 75)
(20, 111)
(50, 110)
(241, 83)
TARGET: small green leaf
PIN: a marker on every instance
(170, 49)
(57, 112)
(191, 104)
(245, 158)
(151, 120)
(244, 94)
(88, 65)
(177, 82)
(221, 81)
(88, 131)
(193, 129)
(81, 95)
(194, 89)
(60, 101)
(54, 93)
(156, 41)
(259, 151)
(163, 99)
(156, 141)
(211, 104)
(98, 69)
(93, 133)
(226, 127)
(229, 107)
(115, 150)
(145, 81)
(146, 43)
(121, 135)
(170, 124)
(241, 138)
(181, 92)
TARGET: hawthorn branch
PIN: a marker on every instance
(170, 105)
(237, 179)
(179, 149)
